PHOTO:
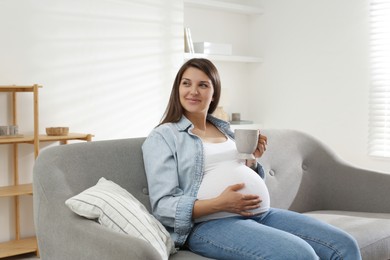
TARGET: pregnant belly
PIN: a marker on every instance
(218, 179)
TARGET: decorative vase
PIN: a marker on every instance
(221, 114)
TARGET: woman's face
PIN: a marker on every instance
(195, 91)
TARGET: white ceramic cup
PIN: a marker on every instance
(246, 142)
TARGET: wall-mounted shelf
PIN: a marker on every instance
(224, 6)
(203, 34)
(230, 58)
(246, 126)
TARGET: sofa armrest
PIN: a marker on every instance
(303, 175)
(90, 240)
(345, 187)
(61, 233)
(75, 237)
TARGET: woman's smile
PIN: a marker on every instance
(193, 100)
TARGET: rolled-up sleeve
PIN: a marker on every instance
(169, 204)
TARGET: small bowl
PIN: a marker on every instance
(57, 131)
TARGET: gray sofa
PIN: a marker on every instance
(302, 175)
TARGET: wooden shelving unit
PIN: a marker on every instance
(25, 245)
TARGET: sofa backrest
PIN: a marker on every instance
(293, 164)
(67, 170)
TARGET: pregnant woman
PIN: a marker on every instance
(211, 202)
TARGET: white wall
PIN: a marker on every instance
(106, 67)
(315, 75)
(103, 62)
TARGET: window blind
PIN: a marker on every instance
(379, 124)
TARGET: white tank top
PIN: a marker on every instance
(222, 169)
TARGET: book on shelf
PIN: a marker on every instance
(188, 44)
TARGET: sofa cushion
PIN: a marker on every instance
(118, 210)
(371, 230)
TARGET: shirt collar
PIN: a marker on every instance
(184, 123)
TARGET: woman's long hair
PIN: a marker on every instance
(174, 110)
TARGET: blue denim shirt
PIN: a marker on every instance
(174, 165)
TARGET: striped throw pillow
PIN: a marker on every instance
(117, 209)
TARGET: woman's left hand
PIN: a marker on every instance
(261, 146)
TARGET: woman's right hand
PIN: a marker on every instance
(231, 200)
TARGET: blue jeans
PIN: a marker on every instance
(276, 234)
